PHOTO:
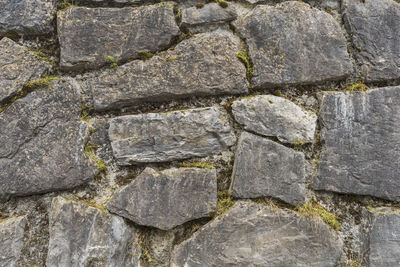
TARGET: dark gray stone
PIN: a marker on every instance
(384, 238)
(168, 198)
(17, 66)
(265, 168)
(375, 32)
(255, 235)
(88, 36)
(27, 17)
(160, 137)
(361, 143)
(275, 116)
(11, 240)
(292, 43)
(42, 142)
(210, 13)
(81, 235)
(205, 64)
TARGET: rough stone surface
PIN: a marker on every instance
(265, 168)
(374, 28)
(205, 64)
(11, 240)
(292, 43)
(81, 235)
(17, 66)
(167, 199)
(361, 143)
(26, 17)
(42, 141)
(384, 238)
(210, 13)
(88, 36)
(255, 235)
(275, 116)
(159, 137)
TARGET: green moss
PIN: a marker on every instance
(244, 57)
(39, 83)
(353, 263)
(145, 55)
(85, 112)
(172, 58)
(178, 13)
(225, 202)
(223, 3)
(313, 209)
(40, 55)
(89, 152)
(65, 4)
(166, 4)
(112, 61)
(197, 164)
(357, 86)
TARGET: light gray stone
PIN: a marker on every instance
(255, 235)
(11, 240)
(42, 142)
(27, 17)
(168, 198)
(375, 32)
(17, 66)
(88, 36)
(81, 235)
(210, 13)
(292, 43)
(361, 143)
(264, 168)
(384, 238)
(160, 137)
(275, 116)
(205, 64)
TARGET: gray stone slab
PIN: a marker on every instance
(11, 240)
(210, 13)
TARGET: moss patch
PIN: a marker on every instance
(225, 202)
(223, 3)
(313, 209)
(39, 83)
(89, 152)
(65, 4)
(197, 164)
(112, 61)
(357, 86)
(145, 55)
(244, 57)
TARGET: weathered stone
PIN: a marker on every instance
(42, 141)
(205, 64)
(361, 143)
(256, 235)
(89, 36)
(264, 168)
(11, 240)
(384, 238)
(210, 13)
(275, 116)
(27, 17)
(291, 43)
(81, 235)
(160, 137)
(17, 66)
(375, 32)
(167, 199)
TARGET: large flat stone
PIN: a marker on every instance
(375, 32)
(291, 43)
(210, 13)
(11, 240)
(42, 141)
(88, 36)
(205, 64)
(361, 143)
(255, 235)
(81, 235)
(27, 17)
(275, 116)
(17, 66)
(168, 198)
(265, 168)
(160, 137)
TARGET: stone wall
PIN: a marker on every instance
(200, 133)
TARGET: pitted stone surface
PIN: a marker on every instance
(255, 235)
(210, 13)
(384, 238)
(361, 143)
(42, 141)
(374, 28)
(88, 36)
(160, 137)
(292, 43)
(17, 66)
(205, 64)
(264, 168)
(168, 198)
(11, 240)
(81, 235)
(27, 17)
(275, 116)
